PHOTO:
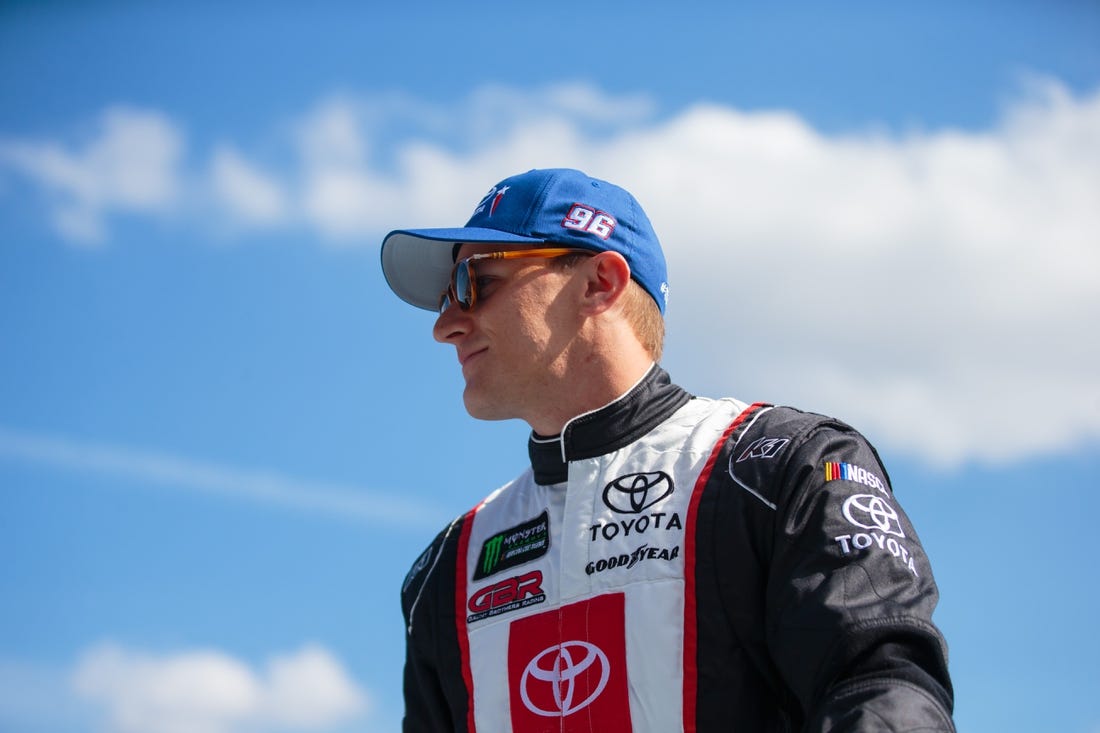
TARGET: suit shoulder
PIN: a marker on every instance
(424, 565)
(779, 443)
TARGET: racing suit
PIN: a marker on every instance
(675, 563)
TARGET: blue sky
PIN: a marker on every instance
(222, 440)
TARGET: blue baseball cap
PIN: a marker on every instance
(558, 206)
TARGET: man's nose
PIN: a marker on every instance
(451, 325)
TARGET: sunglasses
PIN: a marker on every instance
(463, 287)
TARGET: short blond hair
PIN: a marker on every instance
(645, 318)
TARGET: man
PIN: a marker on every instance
(669, 562)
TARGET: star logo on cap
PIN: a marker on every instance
(497, 198)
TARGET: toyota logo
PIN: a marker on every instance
(559, 667)
(636, 492)
(872, 512)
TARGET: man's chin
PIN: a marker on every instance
(481, 408)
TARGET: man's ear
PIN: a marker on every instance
(606, 276)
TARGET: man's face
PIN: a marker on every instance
(513, 344)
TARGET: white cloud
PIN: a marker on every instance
(331, 136)
(249, 195)
(35, 697)
(496, 108)
(264, 487)
(935, 288)
(209, 691)
(348, 195)
(130, 164)
(310, 690)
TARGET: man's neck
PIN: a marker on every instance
(588, 390)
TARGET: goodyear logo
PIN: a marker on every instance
(514, 546)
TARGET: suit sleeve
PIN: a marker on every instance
(430, 645)
(850, 595)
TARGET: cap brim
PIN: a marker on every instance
(417, 263)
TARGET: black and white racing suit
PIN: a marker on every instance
(675, 563)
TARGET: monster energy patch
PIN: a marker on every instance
(514, 546)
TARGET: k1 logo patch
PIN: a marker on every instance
(763, 448)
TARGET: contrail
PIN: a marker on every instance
(260, 486)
